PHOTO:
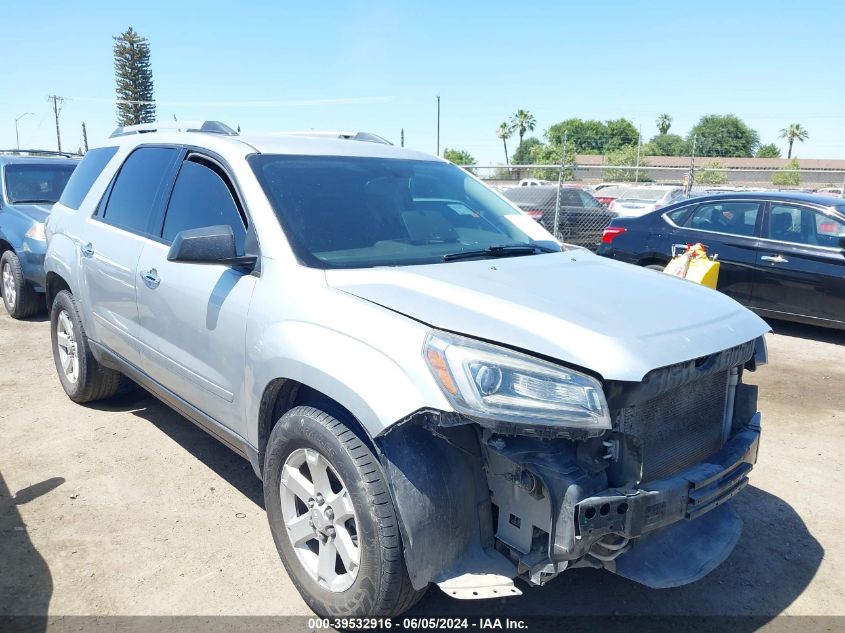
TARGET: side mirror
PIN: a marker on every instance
(208, 245)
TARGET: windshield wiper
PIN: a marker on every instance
(503, 250)
(33, 201)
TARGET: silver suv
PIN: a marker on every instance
(430, 387)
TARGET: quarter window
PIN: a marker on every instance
(202, 198)
(732, 218)
(84, 175)
(132, 201)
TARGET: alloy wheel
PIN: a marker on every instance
(9, 291)
(67, 346)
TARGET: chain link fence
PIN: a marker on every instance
(564, 199)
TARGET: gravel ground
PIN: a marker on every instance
(126, 508)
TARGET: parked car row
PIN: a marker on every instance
(431, 388)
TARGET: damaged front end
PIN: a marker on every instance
(636, 485)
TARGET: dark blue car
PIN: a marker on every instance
(29, 186)
(782, 254)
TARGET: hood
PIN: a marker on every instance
(615, 319)
(37, 212)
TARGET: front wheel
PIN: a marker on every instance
(20, 299)
(332, 518)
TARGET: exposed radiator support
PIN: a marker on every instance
(727, 420)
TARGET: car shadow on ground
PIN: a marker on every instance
(774, 561)
(812, 332)
(211, 452)
(26, 584)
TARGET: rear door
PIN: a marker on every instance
(113, 238)
(801, 264)
(193, 316)
(728, 228)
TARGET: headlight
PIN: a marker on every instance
(493, 383)
(36, 232)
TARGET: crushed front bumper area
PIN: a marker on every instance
(687, 495)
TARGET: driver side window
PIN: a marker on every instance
(201, 197)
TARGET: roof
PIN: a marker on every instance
(11, 159)
(785, 196)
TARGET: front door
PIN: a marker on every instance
(193, 316)
(801, 264)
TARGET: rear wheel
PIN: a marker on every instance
(82, 377)
(657, 267)
(332, 518)
(20, 299)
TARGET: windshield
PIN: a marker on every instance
(354, 212)
(643, 194)
(36, 183)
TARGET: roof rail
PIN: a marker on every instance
(40, 152)
(211, 127)
(352, 136)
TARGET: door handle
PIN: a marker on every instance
(775, 259)
(151, 278)
(88, 250)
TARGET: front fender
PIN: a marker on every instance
(374, 387)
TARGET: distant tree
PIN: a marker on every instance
(768, 151)
(459, 157)
(723, 135)
(522, 156)
(782, 178)
(625, 157)
(593, 137)
(795, 132)
(549, 154)
(711, 177)
(521, 122)
(664, 122)
(504, 133)
(666, 145)
(134, 79)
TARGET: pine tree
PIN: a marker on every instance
(134, 79)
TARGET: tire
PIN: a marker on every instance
(657, 267)
(20, 299)
(87, 381)
(379, 586)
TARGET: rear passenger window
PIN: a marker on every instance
(202, 198)
(732, 218)
(84, 175)
(132, 201)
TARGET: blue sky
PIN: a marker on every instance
(378, 66)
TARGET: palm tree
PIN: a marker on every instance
(794, 133)
(504, 133)
(664, 122)
(521, 122)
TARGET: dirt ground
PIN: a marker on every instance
(126, 508)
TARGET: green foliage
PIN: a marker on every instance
(711, 177)
(551, 155)
(134, 79)
(521, 122)
(783, 178)
(795, 132)
(768, 151)
(522, 156)
(504, 133)
(593, 137)
(625, 156)
(458, 156)
(664, 122)
(723, 135)
(666, 145)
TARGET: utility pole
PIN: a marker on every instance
(57, 107)
(17, 138)
(438, 125)
(691, 178)
(639, 145)
(84, 137)
(402, 138)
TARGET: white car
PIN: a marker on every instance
(638, 201)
